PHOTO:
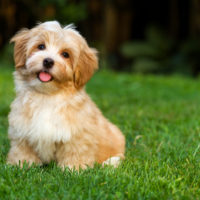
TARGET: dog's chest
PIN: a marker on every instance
(50, 125)
(43, 124)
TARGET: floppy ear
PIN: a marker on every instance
(86, 65)
(20, 40)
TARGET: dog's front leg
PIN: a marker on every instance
(21, 152)
(74, 156)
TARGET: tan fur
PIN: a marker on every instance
(21, 152)
(20, 40)
(85, 67)
(57, 120)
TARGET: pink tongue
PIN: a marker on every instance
(44, 76)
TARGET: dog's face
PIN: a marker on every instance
(49, 57)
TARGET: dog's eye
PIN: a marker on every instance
(65, 54)
(41, 46)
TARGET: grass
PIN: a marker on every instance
(160, 117)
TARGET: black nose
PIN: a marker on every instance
(48, 63)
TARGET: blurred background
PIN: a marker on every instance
(140, 36)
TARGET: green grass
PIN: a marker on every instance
(160, 117)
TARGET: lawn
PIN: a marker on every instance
(160, 117)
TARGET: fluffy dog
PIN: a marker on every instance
(52, 117)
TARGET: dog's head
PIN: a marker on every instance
(49, 57)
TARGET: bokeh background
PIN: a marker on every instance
(139, 36)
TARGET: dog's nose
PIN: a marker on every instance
(48, 63)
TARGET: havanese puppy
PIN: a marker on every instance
(52, 118)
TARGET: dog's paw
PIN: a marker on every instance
(72, 167)
(114, 161)
(22, 163)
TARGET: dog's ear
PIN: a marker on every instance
(20, 40)
(85, 67)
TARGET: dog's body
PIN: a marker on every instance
(52, 118)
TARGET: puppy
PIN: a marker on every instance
(52, 117)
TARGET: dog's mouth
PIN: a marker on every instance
(44, 76)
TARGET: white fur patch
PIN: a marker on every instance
(114, 161)
(51, 25)
(71, 27)
(46, 126)
(55, 26)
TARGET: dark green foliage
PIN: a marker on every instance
(65, 11)
(160, 117)
(158, 53)
(150, 54)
